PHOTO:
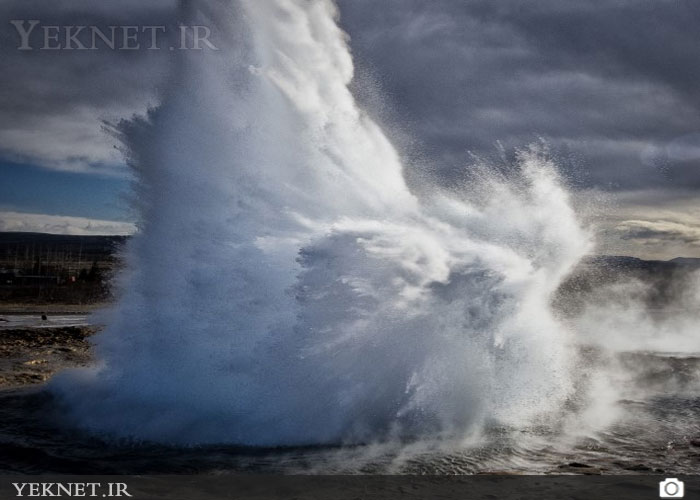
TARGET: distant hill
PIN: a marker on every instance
(20, 250)
(686, 261)
(663, 279)
(50, 267)
(43, 268)
(624, 262)
(11, 241)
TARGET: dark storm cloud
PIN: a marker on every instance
(52, 103)
(613, 85)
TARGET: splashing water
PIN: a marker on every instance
(286, 287)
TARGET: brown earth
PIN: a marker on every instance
(33, 355)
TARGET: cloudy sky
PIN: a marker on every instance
(610, 85)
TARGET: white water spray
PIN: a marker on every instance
(287, 288)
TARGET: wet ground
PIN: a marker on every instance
(657, 430)
(41, 320)
(30, 355)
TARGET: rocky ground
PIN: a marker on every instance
(658, 435)
(32, 355)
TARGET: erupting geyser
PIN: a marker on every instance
(286, 287)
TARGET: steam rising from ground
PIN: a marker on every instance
(624, 307)
(287, 288)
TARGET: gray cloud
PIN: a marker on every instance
(53, 103)
(660, 231)
(653, 223)
(57, 224)
(660, 238)
(611, 83)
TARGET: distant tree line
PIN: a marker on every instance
(56, 268)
